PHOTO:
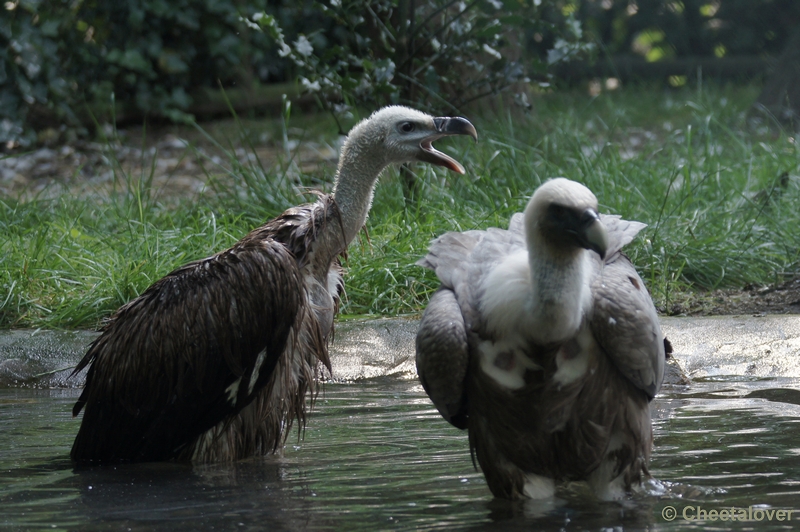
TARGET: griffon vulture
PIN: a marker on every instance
(543, 343)
(214, 361)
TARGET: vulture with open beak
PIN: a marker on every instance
(214, 361)
(543, 343)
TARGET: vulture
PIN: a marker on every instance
(213, 362)
(543, 343)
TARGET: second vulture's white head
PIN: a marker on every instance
(562, 218)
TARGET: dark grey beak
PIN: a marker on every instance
(592, 233)
(447, 125)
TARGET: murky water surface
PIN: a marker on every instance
(376, 456)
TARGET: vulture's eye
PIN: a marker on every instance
(407, 127)
(558, 212)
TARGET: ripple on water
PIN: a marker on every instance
(376, 455)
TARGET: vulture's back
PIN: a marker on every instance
(200, 344)
(186, 353)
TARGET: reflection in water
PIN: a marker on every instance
(376, 455)
(779, 395)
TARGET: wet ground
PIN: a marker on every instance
(750, 346)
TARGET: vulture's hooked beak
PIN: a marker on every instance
(445, 126)
(592, 233)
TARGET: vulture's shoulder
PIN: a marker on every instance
(209, 334)
(467, 256)
(620, 232)
(297, 227)
(462, 261)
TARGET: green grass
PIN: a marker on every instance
(712, 187)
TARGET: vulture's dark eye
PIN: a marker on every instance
(558, 212)
(407, 127)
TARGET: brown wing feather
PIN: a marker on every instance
(263, 425)
(161, 370)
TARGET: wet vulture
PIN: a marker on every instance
(543, 343)
(213, 361)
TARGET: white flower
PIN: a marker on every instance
(285, 50)
(250, 24)
(574, 26)
(561, 50)
(385, 74)
(309, 86)
(303, 46)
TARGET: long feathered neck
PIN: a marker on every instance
(560, 291)
(361, 163)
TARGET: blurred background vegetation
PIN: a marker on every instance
(651, 103)
(67, 64)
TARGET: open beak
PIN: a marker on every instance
(445, 126)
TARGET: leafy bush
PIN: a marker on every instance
(152, 52)
(33, 81)
(54, 56)
(443, 51)
(58, 55)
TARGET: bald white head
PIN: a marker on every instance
(398, 134)
(561, 219)
(394, 134)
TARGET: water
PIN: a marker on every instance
(376, 456)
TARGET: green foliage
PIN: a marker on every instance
(153, 52)
(435, 53)
(720, 201)
(150, 54)
(33, 36)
